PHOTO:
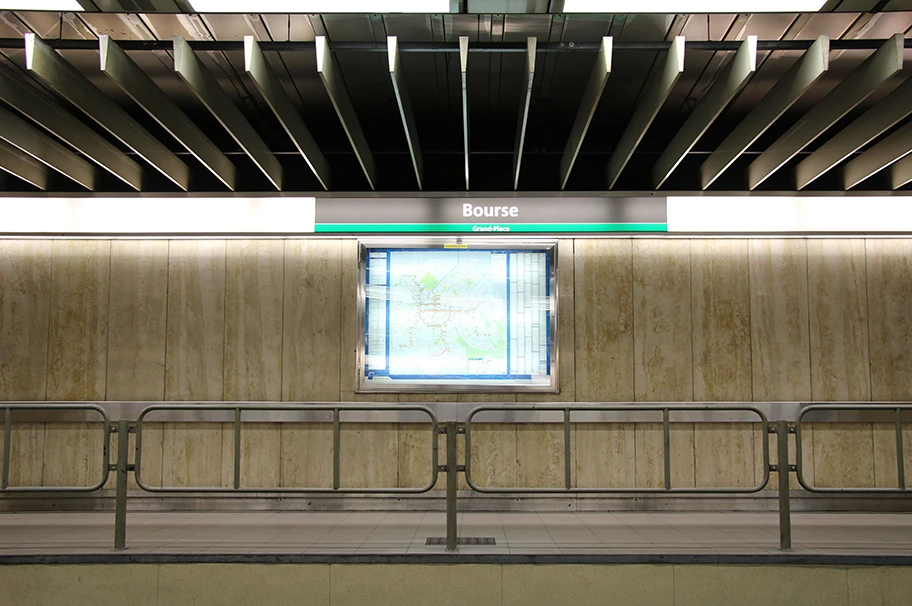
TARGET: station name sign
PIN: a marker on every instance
(544, 215)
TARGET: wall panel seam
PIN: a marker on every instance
(281, 429)
(47, 353)
(750, 323)
(807, 296)
(108, 323)
(868, 322)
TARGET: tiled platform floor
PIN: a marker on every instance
(396, 532)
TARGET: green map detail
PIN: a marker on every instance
(428, 282)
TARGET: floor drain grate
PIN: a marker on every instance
(462, 541)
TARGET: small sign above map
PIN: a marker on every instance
(491, 216)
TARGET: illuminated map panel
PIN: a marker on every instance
(457, 318)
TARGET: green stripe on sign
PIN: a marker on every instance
(488, 228)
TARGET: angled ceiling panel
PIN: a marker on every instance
(901, 173)
(31, 141)
(647, 107)
(587, 105)
(525, 102)
(463, 71)
(397, 77)
(53, 117)
(880, 66)
(45, 63)
(730, 81)
(134, 82)
(268, 83)
(767, 110)
(203, 84)
(870, 125)
(23, 166)
(338, 94)
(889, 150)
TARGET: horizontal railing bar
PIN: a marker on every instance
(189, 411)
(453, 47)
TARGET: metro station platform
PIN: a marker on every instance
(609, 536)
(383, 557)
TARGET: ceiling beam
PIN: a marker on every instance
(528, 76)
(204, 86)
(901, 172)
(405, 108)
(647, 108)
(54, 118)
(57, 73)
(881, 65)
(267, 82)
(118, 66)
(341, 101)
(870, 125)
(591, 96)
(796, 81)
(463, 70)
(884, 153)
(23, 166)
(720, 93)
(28, 139)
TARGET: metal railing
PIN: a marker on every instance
(335, 409)
(666, 410)
(452, 468)
(8, 409)
(896, 409)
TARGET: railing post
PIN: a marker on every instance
(452, 471)
(568, 481)
(237, 447)
(785, 515)
(121, 468)
(7, 439)
(900, 457)
(666, 449)
(337, 448)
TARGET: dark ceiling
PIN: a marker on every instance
(566, 56)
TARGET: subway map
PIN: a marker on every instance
(454, 314)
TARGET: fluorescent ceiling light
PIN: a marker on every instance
(40, 5)
(320, 6)
(673, 7)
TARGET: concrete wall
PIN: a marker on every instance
(454, 584)
(640, 320)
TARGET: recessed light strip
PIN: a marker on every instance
(40, 5)
(672, 7)
(789, 214)
(152, 216)
(321, 6)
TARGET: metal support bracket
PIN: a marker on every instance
(452, 469)
(122, 468)
(785, 520)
